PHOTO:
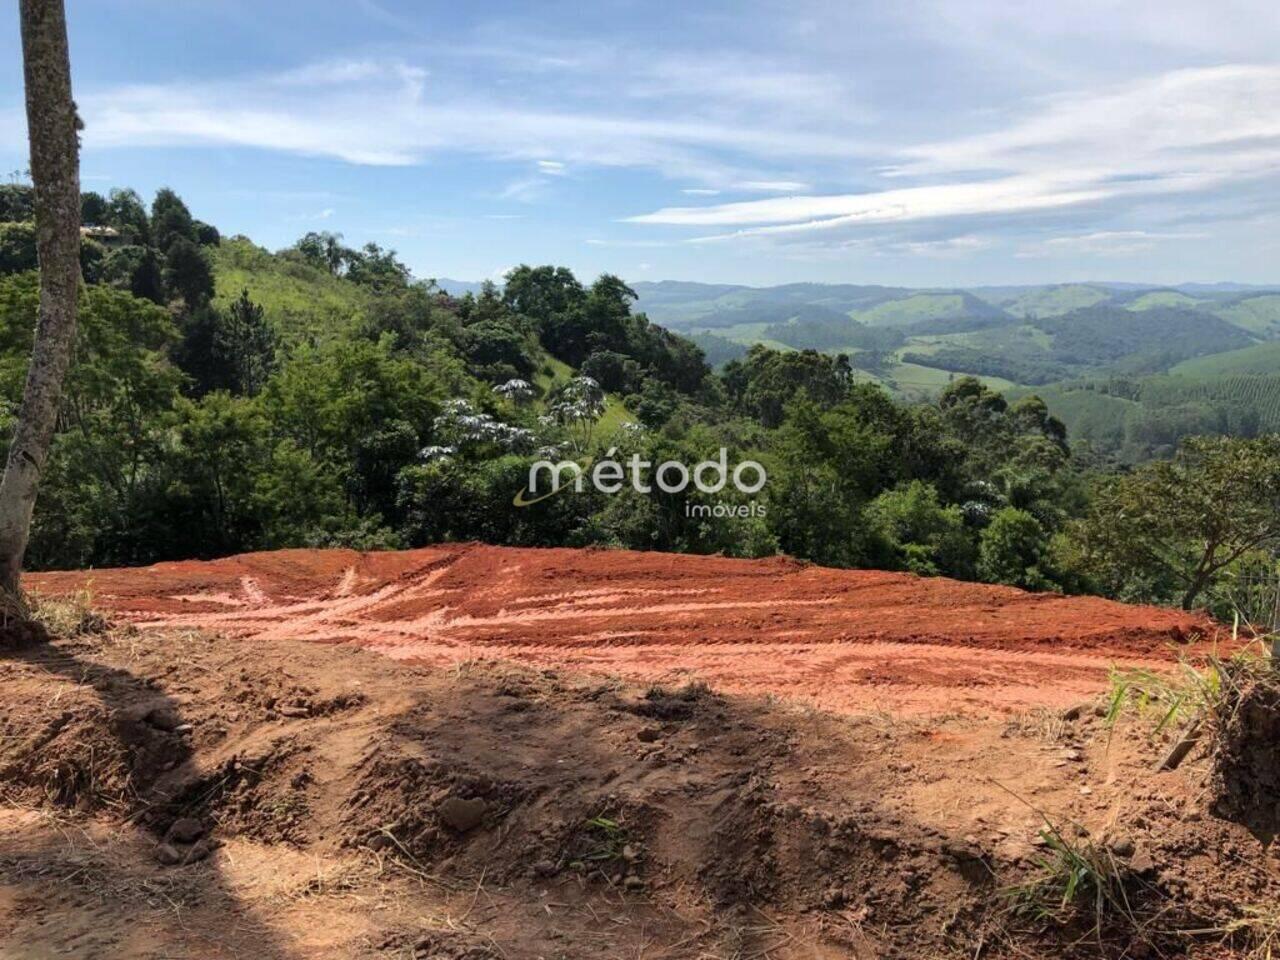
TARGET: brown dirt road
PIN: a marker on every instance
(843, 640)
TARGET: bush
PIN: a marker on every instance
(1011, 550)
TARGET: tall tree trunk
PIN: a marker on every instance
(53, 129)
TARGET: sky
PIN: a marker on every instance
(918, 142)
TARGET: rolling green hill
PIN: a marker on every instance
(1261, 358)
(1056, 300)
(1258, 314)
(1134, 420)
(298, 298)
(916, 308)
(1128, 368)
(1163, 298)
(915, 341)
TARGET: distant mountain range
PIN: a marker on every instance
(1129, 366)
(459, 288)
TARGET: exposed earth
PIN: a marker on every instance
(875, 766)
(844, 640)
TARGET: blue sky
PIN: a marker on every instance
(919, 142)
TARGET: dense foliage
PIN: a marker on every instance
(227, 399)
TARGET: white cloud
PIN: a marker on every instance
(1103, 243)
(771, 186)
(1174, 123)
(794, 214)
(1060, 38)
(766, 117)
(952, 247)
(385, 112)
(1176, 133)
(524, 190)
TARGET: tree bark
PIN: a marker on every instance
(53, 130)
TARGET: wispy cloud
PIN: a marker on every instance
(387, 112)
(923, 130)
(1103, 243)
(949, 248)
(1176, 133)
(771, 186)
(324, 214)
(809, 213)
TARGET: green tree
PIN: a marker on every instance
(763, 382)
(94, 211)
(245, 345)
(126, 213)
(102, 482)
(170, 220)
(135, 269)
(187, 274)
(1011, 550)
(919, 534)
(543, 293)
(17, 247)
(1189, 518)
(824, 466)
(359, 407)
(17, 202)
(207, 234)
(372, 266)
(325, 250)
(214, 494)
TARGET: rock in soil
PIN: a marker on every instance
(462, 815)
(1122, 846)
(185, 830)
(168, 854)
(199, 851)
(164, 718)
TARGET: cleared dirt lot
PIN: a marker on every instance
(210, 773)
(850, 641)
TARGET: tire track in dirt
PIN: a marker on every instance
(842, 639)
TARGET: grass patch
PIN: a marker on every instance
(1190, 693)
(1258, 929)
(69, 616)
(300, 300)
(602, 844)
(1075, 879)
(553, 373)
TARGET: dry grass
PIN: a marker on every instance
(1041, 723)
(1255, 931)
(69, 616)
(1259, 928)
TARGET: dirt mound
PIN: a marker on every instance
(1247, 757)
(846, 640)
(317, 801)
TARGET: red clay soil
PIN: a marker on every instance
(847, 640)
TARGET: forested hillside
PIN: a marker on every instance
(227, 398)
(1061, 340)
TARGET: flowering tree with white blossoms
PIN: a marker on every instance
(461, 426)
(578, 407)
(519, 392)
